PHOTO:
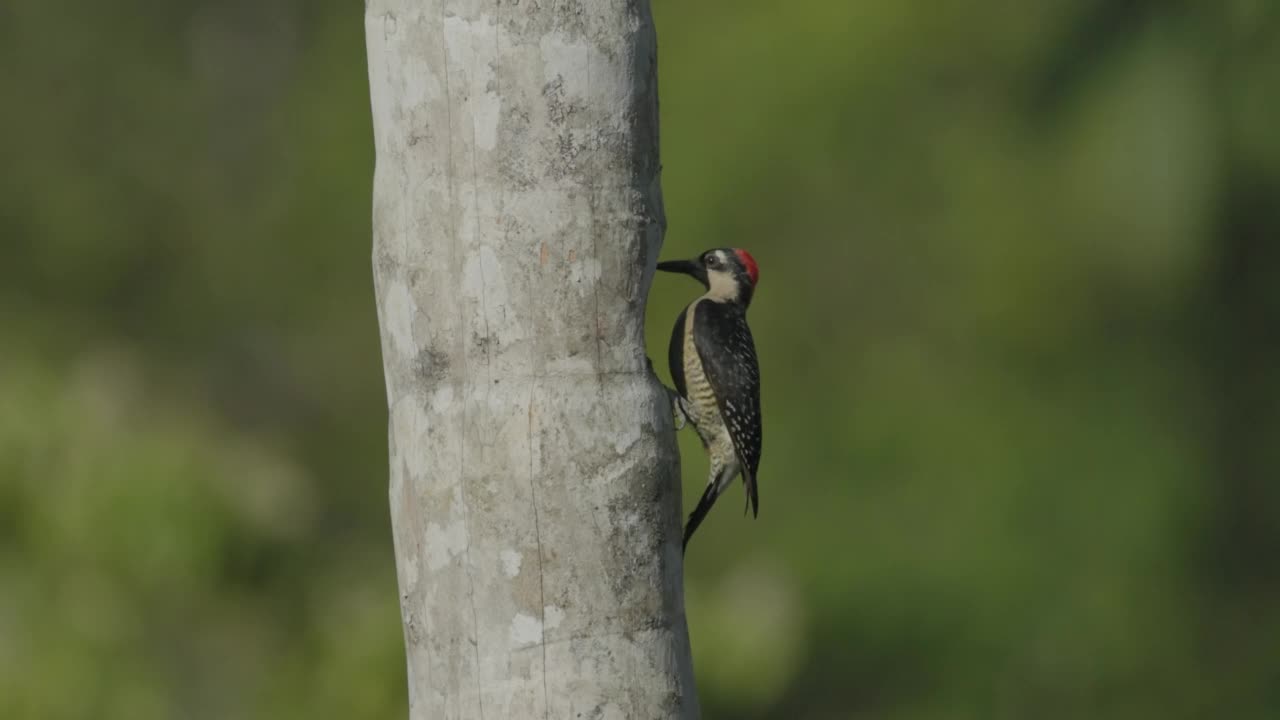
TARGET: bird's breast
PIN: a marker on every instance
(705, 414)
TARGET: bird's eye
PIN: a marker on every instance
(712, 261)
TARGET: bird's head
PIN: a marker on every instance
(729, 274)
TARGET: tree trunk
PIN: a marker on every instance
(534, 476)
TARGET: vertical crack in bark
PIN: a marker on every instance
(595, 245)
(452, 175)
(533, 385)
(484, 285)
(537, 534)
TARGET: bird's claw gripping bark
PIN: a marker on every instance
(677, 409)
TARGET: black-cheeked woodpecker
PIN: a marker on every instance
(716, 373)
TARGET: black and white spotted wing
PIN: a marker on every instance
(728, 355)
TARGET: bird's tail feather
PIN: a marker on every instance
(695, 518)
(713, 491)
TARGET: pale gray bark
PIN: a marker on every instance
(534, 476)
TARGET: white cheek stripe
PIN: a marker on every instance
(722, 285)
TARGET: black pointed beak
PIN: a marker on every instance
(685, 267)
(688, 267)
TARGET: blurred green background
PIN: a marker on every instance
(1018, 321)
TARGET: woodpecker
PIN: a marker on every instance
(713, 363)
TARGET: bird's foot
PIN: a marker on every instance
(678, 415)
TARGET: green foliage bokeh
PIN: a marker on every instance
(1017, 323)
